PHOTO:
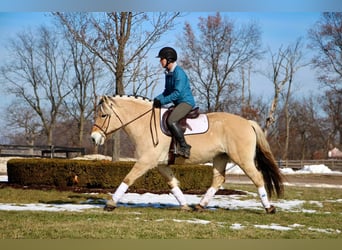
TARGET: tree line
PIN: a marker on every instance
(58, 71)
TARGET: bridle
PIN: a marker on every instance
(106, 122)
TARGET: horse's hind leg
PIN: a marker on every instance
(219, 171)
(257, 178)
(172, 181)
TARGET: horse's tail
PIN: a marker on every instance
(267, 164)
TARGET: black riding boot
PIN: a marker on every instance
(184, 149)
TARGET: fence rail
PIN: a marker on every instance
(333, 164)
(50, 151)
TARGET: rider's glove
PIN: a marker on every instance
(156, 103)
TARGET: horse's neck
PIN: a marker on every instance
(139, 131)
(137, 117)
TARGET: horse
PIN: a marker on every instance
(229, 138)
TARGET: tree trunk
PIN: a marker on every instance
(270, 119)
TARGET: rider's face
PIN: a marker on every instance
(163, 62)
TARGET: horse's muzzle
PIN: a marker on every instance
(97, 138)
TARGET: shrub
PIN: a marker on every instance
(101, 174)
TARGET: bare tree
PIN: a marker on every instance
(308, 131)
(285, 63)
(332, 105)
(326, 41)
(279, 77)
(294, 59)
(144, 82)
(23, 120)
(309, 125)
(213, 54)
(84, 76)
(244, 102)
(36, 74)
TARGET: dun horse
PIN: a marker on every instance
(229, 138)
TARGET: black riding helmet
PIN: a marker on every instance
(168, 53)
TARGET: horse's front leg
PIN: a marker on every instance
(173, 183)
(139, 169)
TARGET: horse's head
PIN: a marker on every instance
(106, 121)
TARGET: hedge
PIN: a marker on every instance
(101, 174)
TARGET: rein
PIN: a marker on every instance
(153, 117)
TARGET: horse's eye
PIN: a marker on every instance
(103, 116)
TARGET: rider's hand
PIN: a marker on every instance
(156, 103)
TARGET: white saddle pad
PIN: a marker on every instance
(198, 125)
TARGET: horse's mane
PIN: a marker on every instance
(133, 97)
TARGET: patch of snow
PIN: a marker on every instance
(327, 230)
(237, 226)
(193, 221)
(46, 207)
(309, 211)
(317, 203)
(274, 227)
(315, 169)
(287, 171)
(296, 225)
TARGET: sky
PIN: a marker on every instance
(278, 28)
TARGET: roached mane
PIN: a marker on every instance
(138, 97)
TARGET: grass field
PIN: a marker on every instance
(321, 219)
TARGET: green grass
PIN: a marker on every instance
(169, 223)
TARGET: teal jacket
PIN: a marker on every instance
(177, 88)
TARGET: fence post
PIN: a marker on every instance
(52, 151)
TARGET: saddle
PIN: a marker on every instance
(194, 113)
(192, 123)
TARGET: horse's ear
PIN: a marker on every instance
(101, 100)
(106, 104)
(105, 99)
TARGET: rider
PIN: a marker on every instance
(177, 91)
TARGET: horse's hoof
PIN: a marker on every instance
(185, 208)
(271, 210)
(199, 208)
(110, 206)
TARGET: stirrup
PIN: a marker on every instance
(184, 151)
